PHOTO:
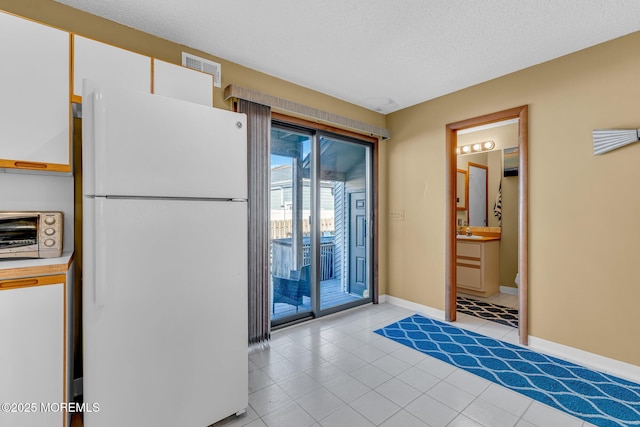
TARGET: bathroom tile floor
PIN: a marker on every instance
(334, 371)
(506, 300)
(503, 308)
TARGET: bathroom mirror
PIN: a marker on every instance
(478, 191)
(485, 174)
(462, 194)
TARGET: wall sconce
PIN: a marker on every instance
(605, 140)
(476, 148)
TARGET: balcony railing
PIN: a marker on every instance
(283, 228)
(282, 256)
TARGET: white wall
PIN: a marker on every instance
(34, 192)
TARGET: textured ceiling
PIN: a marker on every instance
(384, 55)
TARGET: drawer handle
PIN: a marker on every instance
(468, 258)
(18, 283)
(30, 165)
(468, 265)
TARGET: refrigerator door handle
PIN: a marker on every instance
(100, 243)
(100, 141)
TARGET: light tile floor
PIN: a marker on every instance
(335, 371)
(505, 300)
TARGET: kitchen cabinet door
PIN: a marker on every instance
(34, 101)
(182, 83)
(109, 65)
(32, 324)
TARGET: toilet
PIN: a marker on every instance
(517, 280)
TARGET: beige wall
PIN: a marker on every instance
(583, 257)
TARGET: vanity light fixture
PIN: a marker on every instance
(476, 148)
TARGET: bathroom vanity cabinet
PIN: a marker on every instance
(478, 267)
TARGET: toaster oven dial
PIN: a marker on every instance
(49, 242)
(49, 220)
(49, 231)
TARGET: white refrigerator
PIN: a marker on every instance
(164, 260)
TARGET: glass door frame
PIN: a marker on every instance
(316, 168)
(304, 315)
(315, 135)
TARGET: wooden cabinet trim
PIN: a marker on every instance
(152, 78)
(31, 271)
(19, 164)
(28, 282)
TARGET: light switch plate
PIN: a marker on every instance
(397, 215)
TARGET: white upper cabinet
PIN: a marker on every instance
(182, 83)
(35, 114)
(109, 65)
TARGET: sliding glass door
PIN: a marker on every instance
(290, 224)
(320, 223)
(344, 251)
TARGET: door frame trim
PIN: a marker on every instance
(451, 129)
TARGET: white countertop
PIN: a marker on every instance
(10, 268)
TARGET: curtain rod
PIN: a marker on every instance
(233, 91)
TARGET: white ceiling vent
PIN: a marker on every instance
(204, 65)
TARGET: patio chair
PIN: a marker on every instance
(291, 290)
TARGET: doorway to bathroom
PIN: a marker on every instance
(480, 278)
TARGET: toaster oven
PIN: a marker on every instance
(30, 234)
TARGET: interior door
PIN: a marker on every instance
(357, 243)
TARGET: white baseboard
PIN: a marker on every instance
(590, 360)
(508, 290)
(425, 309)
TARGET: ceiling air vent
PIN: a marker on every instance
(204, 65)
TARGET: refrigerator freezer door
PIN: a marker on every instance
(138, 144)
(167, 343)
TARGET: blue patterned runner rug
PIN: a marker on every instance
(595, 397)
